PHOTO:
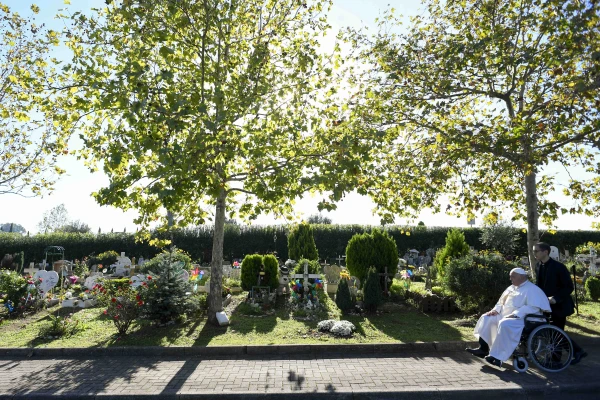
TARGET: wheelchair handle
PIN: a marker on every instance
(545, 316)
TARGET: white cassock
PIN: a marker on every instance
(503, 334)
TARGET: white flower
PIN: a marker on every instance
(325, 325)
(343, 328)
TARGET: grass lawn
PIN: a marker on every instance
(397, 323)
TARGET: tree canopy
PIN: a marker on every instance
(199, 105)
(476, 100)
(31, 130)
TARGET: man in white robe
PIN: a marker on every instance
(499, 330)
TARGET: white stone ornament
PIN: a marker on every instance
(49, 280)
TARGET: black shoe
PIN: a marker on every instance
(578, 356)
(493, 361)
(478, 352)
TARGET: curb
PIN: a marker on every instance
(248, 350)
(313, 350)
(573, 391)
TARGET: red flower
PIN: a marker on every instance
(144, 284)
(119, 306)
(137, 297)
(105, 312)
(87, 290)
(40, 279)
(149, 278)
(114, 300)
(131, 282)
(140, 303)
(116, 317)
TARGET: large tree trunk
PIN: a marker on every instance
(215, 300)
(531, 201)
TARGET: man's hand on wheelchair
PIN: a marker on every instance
(552, 300)
(512, 316)
(491, 313)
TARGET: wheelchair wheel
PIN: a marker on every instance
(520, 364)
(549, 348)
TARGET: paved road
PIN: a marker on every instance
(425, 375)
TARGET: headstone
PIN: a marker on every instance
(91, 281)
(554, 252)
(332, 273)
(49, 280)
(137, 280)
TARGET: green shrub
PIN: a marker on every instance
(375, 249)
(313, 266)
(301, 243)
(106, 259)
(198, 303)
(271, 270)
(123, 303)
(111, 287)
(477, 281)
(372, 290)
(13, 291)
(500, 236)
(165, 295)
(59, 327)
(592, 288)
(397, 291)
(250, 269)
(585, 248)
(456, 247)
(438, 291)
(176, 255)
(342, 296)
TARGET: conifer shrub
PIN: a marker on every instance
(342, 296)
(592, 288)
(165, 297)
(372, 290)
(250, 269)
(455, 247)
(301, 243)
(375, 249)
(271, 270)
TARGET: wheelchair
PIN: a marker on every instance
(548, 347)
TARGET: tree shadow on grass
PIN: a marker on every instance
(582, 328)
(411, 325)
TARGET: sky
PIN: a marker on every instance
(75, 187)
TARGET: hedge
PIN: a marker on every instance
(331, 241)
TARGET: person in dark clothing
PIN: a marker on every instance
(553, 278)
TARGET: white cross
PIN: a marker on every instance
(305, 277)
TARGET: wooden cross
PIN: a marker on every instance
(305, 277)
(385, 282)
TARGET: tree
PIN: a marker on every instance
(75, 227)
(372, 290)
(31, 134)
(476, 100)
(319, 219)
(197, 104)
(376, 249)
(301, 243)
(456, 247)
(499, 235)
(12, 227)
(54, 219)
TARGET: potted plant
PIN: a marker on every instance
(234, 285)
(332, 278)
